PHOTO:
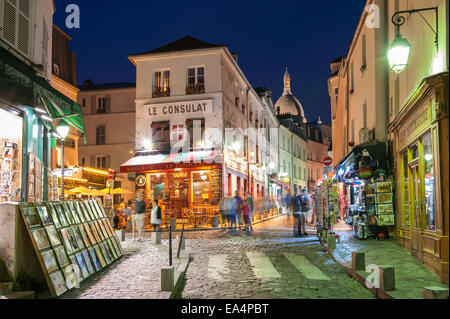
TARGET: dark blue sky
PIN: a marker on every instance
(268, 36)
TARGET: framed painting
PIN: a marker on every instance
(72, 239)
(65, 240)
(49, 260)
(44, 215)
(89, 233)
(83, 233)
(100, 256)
(77, 208)
(83, 210)
(95, 259)
(108, 230)
(53, 235)
(89, 210)
(61, 215)
(99, 205)
(61, 256)
(78, 236)
(102, 229)
(54, 214)
(116, 240)
(95, 232)
(40, 238)
(97, 214)
(67, 212)
(111, 250)
(59, 283)
(116, 247)
(88, 262)
(108, 224)
(96, 208)
(73, 212)
(83, 267)
(30, 215)
(105, 253)
(75, 276)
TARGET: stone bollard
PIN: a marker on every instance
(358, 261)
(167, 278)
(173, 222)
(156, 238)
(215, 222)
(183, 243)
(120, 234)
(435, 293)
(387, 278)
(332, 242)
(266, 214)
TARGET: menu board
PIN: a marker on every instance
(216, 186)
(73, 240)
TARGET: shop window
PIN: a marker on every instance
(406, 217)
(179, 185)
(415, 151)
(157, 185)
(430, 213)
(200, 188)
(10, 157)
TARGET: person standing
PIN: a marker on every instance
(247, 213)
(155, 217)
(140, 210)
(296, 211)
(233, 212)
(252, 209)
(126, 211)
(304, 201)
(239, 205)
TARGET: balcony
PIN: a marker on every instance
(160, 92)
(198, 89)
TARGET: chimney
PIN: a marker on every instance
(235, 57)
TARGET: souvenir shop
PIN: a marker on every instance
(365, 183)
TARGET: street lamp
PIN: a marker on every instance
(63, 130)
(398, 53)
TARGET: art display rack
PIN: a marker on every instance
(73, 240)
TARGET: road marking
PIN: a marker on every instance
(217, 267)
(262, 267)
(305, 267)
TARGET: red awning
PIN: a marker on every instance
(171, 161)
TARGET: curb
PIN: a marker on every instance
(179, 275)
(379, 293)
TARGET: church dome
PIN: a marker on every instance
(288, 103)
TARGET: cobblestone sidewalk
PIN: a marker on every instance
(411, 276)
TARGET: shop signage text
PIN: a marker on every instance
(415, 125)
(179, 108)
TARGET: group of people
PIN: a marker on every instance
(299, 206)
(237, 211)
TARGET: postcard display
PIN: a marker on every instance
(73, 240)
(9, 171)
(379, 203)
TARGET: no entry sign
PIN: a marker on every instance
(327, 161)
(110, 174)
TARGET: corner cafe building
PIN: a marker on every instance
(174, 164)
(29, 107)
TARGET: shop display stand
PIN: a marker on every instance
(72, 239)
(8, 161)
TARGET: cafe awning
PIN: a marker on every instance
(171, 161)
(20, 85)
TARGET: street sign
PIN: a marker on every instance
(67, 172)
(109, 183)
(328, 161)
(111, 174)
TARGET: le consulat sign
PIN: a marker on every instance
(179, 108)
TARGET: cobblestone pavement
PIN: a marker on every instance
(268, 264)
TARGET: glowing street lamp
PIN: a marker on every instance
(63, 130)
(398, 53)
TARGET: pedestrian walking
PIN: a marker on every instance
(140, 210)
(223, 216)
(296, 212)
(233, 212)
(252, 209)
(155, 217)
(116, 218)
(239, 205)
(304, 200)
(246, 213)
(126, 212)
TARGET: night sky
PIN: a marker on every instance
(267, 35)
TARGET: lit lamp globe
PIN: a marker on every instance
(398, 53)
(63, 129)
(271, 165)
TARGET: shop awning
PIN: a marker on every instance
(21, 86)
(170, 161)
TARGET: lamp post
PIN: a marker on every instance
(63, 130)
(398, 53)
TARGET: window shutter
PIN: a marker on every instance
(93, 105)
(9, 23)
(93, 161)
(108, 104)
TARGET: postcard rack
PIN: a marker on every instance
(73, 240)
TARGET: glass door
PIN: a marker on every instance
(416, 240)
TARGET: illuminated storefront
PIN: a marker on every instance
(420, 138)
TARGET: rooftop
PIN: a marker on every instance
(105, 86)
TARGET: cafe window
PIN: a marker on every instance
(196, 130)
(405, 205)
(161, 84)
(196, 80)
(179, 185)
(157, 185)
(200, 188)
(430, 212)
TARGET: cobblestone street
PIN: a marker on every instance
(270, 263)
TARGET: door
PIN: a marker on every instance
(416, 240)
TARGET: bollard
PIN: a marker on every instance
(332, 242)
(435, 293)
(170, 245)
(387, 278)
(173, 223)
(120, 234)
(167, 278)
(215, 222)
(156, 238)
(358, 261)
(180, 242)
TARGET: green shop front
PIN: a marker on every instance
(29, 110)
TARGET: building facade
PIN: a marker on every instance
(202, 131)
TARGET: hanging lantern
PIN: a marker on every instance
(398, 53)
